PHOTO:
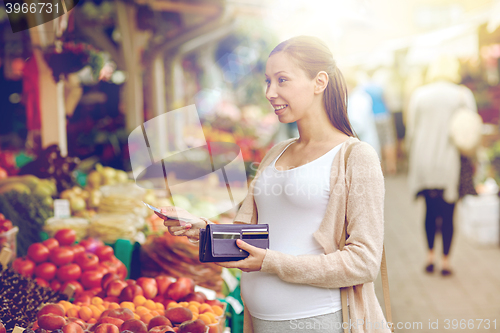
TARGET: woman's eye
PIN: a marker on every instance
(268, 82)
(281, 80)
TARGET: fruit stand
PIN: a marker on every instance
(94, 252)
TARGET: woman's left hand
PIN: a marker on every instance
(251, 263)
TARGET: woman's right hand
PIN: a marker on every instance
(178, 228)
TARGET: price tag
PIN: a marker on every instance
(61, 208)
(230, 280)
(237, 307)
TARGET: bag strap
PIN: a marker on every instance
(383, 270)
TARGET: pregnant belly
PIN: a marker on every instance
(268, 297)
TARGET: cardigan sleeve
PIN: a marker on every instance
(359, 261)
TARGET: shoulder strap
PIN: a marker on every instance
(383, 270)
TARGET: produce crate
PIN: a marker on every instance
(9, 239)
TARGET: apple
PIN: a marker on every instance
(129, 292)
(51, 308)
(179, 289)
(149, 287)
(115, 288)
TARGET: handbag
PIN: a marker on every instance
(218, 241)
(383, 272)
(465, 128)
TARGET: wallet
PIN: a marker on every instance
(218, 241)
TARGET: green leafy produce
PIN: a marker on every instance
(28, 212)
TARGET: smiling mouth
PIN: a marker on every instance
(281, 107)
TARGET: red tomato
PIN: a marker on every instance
(42, 282)
(78, 287)
(55, 285)
(51, 243)
(77, 248)
(91, 244)
(102, 268)
(69, 272)
(24, 266)
(65, 236)
(91, 279)
(61, 256)
(113, 264)
(105, 253)
(87, 261)
(46, 271)
(38, 252)
(122, 271)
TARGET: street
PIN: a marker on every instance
(424, 302)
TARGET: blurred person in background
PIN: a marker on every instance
(361, 117)
(434, 161)
(384, 124)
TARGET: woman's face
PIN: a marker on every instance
(289, 89)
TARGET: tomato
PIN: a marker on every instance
(5, 225)
(38, 252)
(91, 279)
(61, 256)
(24, 266)
(122, 271)
(113, 264)
(46, 271)
(69, 272)
(42, 282)
(91, 244)
(102, 268)
(105, 253)
(77, 248)
(87, 261)
(77, 286)
(55, 285)
(51, 243)
(65, 236)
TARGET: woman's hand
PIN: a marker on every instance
(181, 228)
(251, 263)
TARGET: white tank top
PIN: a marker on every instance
(293, 202)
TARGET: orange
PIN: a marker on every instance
(217, 310)
(197, 304)
(146, 318)
(184, 304)
(172, 305)
(150, 304)
(96, 300)
(213, 329)
(206, 319)
(195, 316)
(141, 309)
(159, 306)
(73, 312)
(85, 313)
(96, 313)
(136, 316)
(139, 300)
(128, 305)
(92, 321)
(105, 304)
(155, 313)
(113, 306)
(66, 305)
(205, 307)
(193, 308)
(101, 307)
(211, 315)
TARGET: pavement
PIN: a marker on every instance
(422, 302)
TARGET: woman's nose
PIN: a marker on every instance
(271, 92)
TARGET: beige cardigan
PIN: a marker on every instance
(358, 264)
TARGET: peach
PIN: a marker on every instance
(51, 321)
(149, 287)
(194, 297)
(77, 321)
(161, 329)
(121, 313)
(178, 315)
(134, 325)
(129, 292)
(159, 321)
(106, 328)
(52, 308)
(72, 327)
(193, 326)
(107, 278)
